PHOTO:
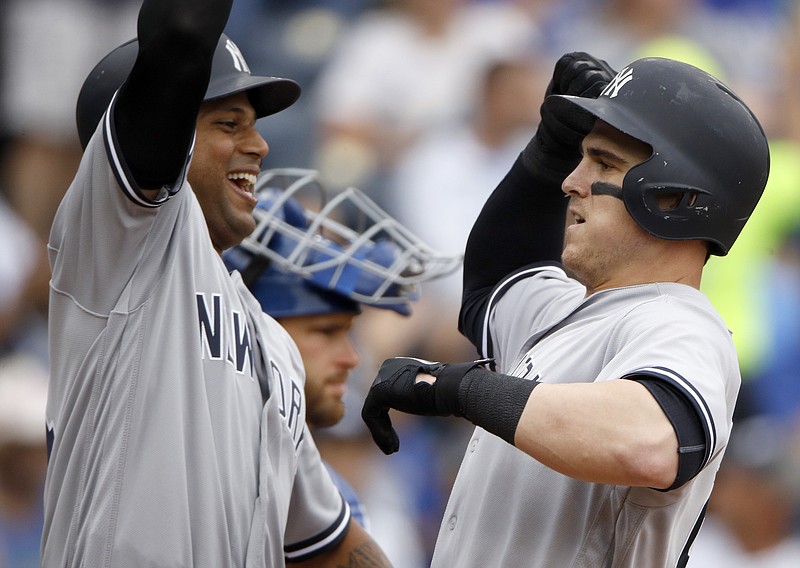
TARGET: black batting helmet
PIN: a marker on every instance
(230, 74)
(707, 145)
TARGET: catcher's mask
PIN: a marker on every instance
(311, 253)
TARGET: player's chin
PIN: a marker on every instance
(245, 223)
(572, 262)
(329, 415)
(568, 256)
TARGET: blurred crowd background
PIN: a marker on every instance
(424, 104)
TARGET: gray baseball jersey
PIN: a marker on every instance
(507, 509)
(163, 451)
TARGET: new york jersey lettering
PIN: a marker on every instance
(224, 333)
(290, 403)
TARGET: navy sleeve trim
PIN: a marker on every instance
(688, 428)
(484, 345)
(322, 542)
(123, 174)
(694, 398)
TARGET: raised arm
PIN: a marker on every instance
(156, 109)
(523, 221)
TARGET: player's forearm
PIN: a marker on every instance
(607, 432)
(357, 550)
(521, 223)
(156, 109)
(610, 432)
(182, 17)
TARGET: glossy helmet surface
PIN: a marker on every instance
(230, 74)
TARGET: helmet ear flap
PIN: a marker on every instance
(673, 210)
(676, 200)
(676, 203)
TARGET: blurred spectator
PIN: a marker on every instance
(407, 68)
(291, 38)
(440, 186)
(748, 6)
(775, 386)
(789, 107)
(754, 507)
(48, 46)
(736, 284)
(24, 277)
(23, 459)
(745, 43)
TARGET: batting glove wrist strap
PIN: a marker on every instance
(448, 386)
(396, 387)
(494, 401)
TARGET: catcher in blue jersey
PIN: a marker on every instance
(313, 272)
(176, 414)
(607, 405)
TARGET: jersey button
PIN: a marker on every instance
(473, 445)
(451, 524)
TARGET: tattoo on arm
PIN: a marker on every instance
(366, 555)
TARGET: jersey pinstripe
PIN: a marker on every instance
(506, 509)
(164, 453)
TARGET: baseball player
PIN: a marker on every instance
(380, 264)
(176, 416)
(601, 428)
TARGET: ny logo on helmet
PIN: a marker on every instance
(238, 58)
(612, 89)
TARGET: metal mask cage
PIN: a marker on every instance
(303, 229)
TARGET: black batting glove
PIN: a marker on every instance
(396, 387)
(554, 151)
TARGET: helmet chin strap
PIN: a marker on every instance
(603, 188)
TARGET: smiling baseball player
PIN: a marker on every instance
(176, 415)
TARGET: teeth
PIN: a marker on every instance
(249, 180)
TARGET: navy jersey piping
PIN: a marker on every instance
(679, 382)
(122, 172)
(487, 348)
(321, 542)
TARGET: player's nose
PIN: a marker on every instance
(576, 184)
(350, 357)
(254, 143)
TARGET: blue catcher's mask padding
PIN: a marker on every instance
(284, 294)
